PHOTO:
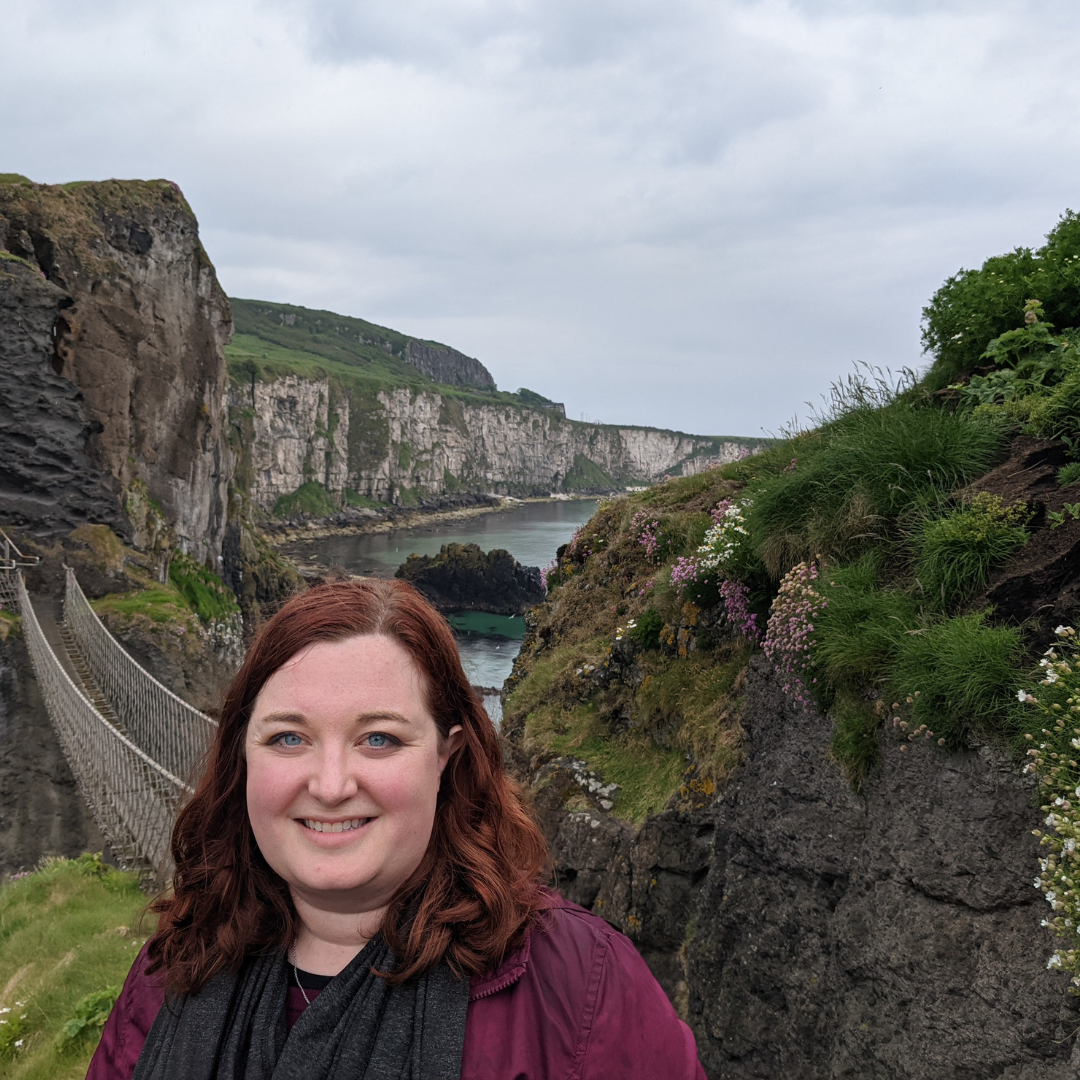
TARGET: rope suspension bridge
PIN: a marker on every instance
(134, 747)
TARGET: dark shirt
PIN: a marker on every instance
(312, 985)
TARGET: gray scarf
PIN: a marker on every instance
(358, 1028)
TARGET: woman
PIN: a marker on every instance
(358, 889)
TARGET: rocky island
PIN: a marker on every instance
(462, 577)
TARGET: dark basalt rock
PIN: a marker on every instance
(463, 577)
(807, 932)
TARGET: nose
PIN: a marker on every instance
(333, 781)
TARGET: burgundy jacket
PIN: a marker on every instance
(576, 1002)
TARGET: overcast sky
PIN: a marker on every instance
(687, 213)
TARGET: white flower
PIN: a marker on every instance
(1054, 961)
(1021, 696)
(1051, 678)
(18, 1042)
(1061, 631)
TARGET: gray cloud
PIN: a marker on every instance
(693, 214)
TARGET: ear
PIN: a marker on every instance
(451, 745)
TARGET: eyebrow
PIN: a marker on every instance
(298, 720)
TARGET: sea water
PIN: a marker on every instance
(531, 532)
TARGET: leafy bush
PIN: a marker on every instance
(974, 307)
(959, 673)
(1068, 475)
(954, 553)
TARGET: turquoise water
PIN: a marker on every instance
(531, 532)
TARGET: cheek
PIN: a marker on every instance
(271, 786)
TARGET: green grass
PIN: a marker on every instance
(69, 930)
(158, 603)
(647, 774)
(854, 744)
(310, 498)
(860, 630)
(585, 473)
(864, 469)
(362, 502)
(961, 673)
(203, 590)
(1069, 475)
(955, 552)
(10, 623)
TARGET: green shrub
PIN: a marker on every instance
(974, 307)
(646, 631)
(959, 673)
(954, 553)
(89, 1017)
(310, 498)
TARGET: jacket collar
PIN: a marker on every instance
(506, 974)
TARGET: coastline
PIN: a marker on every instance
(279, 536)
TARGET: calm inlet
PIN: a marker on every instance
(531, 532)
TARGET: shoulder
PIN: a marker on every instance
(577, 1000)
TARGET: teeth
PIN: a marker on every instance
(335, 826)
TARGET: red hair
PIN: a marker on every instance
(476, 891)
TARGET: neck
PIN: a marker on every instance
(329, 939)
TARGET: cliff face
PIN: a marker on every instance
(398, 441)
(810, 933)
(48, 480)
(130, 318)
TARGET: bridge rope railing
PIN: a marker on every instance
(132, 797)
(164, 726)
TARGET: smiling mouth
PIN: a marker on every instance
(333, 826)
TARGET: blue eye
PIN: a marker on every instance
(379, 740)
(289, 738)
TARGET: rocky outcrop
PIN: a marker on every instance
(442, 364)
(401, 445)
(134, 320)
(810, 933)
(462, 577)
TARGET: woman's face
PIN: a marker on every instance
(343, 769)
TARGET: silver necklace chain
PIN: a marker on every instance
(296, 974)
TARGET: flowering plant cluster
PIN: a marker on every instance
(736, 597)
(1059, 786)
(789, 636)
(647, 530)
(547, 572)
(726, 536)
(684, 571)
